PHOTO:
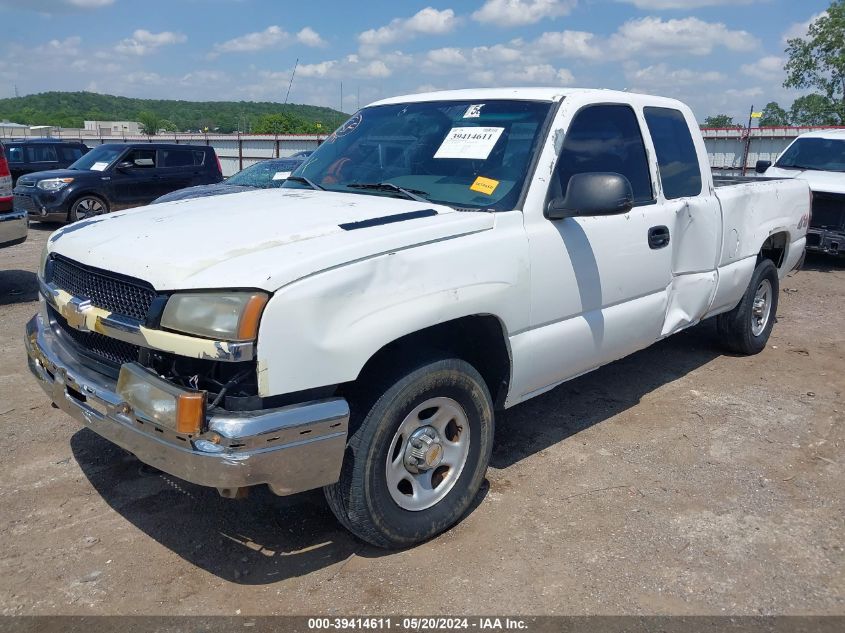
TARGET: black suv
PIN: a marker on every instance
(115, 176)
(26, 156)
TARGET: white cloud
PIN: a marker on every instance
(310, 37)
(521, 12)
(658, 5)
(654, 36)
(268, 38)
(428, 21)
(143, 42)
(799, 29)
(315, 70)
(658, 77)
(768, 68)
(55, 6)
(574, 44)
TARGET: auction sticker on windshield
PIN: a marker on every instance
(99, 166)
(469, 142)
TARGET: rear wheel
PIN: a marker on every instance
(746, 328)
(86, 207)
(417, 459)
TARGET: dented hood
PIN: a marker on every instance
(262, 239)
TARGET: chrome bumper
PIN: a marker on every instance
(14, 226)
(292, 449)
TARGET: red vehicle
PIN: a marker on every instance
(13, 224)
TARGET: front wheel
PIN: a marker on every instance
(418, 458)
(86, 207)
(746, 328)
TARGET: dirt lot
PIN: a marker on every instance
(677, 481)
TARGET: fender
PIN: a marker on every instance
(322, 330)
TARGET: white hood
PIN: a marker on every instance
(827, 181)
(259, 239)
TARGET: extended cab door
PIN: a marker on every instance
(686, 192)
(599, 285)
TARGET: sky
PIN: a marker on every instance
(720, 56)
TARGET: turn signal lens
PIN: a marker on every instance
(251, 316)
(190, 412)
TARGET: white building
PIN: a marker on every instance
(113, 128)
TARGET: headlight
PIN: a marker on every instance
(160, 401)
(54, 184)
(230, 316)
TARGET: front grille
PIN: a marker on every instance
(25, 203)
(130, 298)
(828, 211)
(813, 239)
(103, 348)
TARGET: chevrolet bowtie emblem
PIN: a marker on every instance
(74, 313)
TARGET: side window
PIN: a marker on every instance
(69, 153)
(177, 158)
(676, 157)
(199, 158)
(14, 153)
(41, 154)
(142, 158)
(606, 138)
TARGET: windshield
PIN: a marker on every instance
(469, 154)
(821, 154)
(264, 175)
(99, 158)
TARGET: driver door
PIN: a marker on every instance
(132, 186)
(599, 285)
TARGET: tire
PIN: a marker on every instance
(87, 206)
(745, 329)
(377, 497)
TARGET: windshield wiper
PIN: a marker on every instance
(410, 194)
(804, 167)
(306, 181)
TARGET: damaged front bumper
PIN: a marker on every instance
(292, 448)
(827, 241)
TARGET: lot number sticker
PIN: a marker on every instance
(99, 166)
(469, 142)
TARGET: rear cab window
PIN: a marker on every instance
(605, 138)
(677, 160)
(41, 154)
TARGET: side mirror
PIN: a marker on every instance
(762, 166)
(124, 165)
(597, 193)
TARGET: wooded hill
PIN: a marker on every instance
(70, 109)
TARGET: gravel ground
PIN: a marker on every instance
(677, 481)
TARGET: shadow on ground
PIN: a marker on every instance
(18, 286)
(264, 539)
(823, 263)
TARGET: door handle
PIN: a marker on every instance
(658, 237)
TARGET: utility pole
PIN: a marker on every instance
(747, 144)
(292, 75)
(16, 91)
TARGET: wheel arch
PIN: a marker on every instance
(479, 339)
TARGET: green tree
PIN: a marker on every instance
(774, 115)
(150, 122)
(818, 60)
(279, 124)
(719, 120)
(815, 109)
(168, 126)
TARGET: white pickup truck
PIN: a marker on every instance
(819, 159)
(440, 257)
